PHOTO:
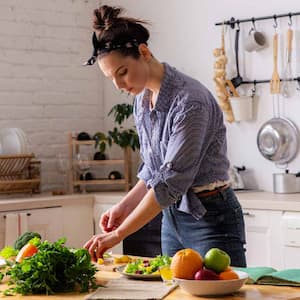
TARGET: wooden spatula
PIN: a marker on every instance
(275, 81)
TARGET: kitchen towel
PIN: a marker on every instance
(12, 228)
(271, 276)
(128, 289)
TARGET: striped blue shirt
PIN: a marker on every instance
(183, 141)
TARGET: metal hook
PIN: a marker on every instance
(290, 22)
(253, 89)
(298, 81)
(253, 23)
(275, 25)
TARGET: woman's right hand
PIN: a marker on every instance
(113, 218)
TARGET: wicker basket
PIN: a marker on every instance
(19, 174)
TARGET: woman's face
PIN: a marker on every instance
(127, 73)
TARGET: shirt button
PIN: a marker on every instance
(169, 165)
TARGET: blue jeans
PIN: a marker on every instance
(222, 227)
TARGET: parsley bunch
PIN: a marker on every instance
(54, 268)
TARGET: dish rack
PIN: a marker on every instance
(19, 174)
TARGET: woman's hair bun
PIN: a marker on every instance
(105, 17)
(110, 26)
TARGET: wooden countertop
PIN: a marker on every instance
(247, 292)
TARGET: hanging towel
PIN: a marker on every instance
(12, 228)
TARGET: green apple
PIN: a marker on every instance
(217, 260)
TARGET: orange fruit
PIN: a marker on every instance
(228, 275)
(185, 263)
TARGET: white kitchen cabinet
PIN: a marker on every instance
(54, 217)
(263, 238)
(101, 205)
(291, 239)
(78, 225)
(46, 221)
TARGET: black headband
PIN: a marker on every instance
(100, 48)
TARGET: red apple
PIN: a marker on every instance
(205, 274)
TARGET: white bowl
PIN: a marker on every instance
(212, 287)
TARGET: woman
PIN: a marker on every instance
(184, 172)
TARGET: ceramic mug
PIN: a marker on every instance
(255, 41)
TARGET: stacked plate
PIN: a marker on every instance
(13, 141)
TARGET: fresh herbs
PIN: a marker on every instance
(55, 268)
(8, 252)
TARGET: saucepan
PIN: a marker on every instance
(278, 140)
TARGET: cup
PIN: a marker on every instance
(166, 274)
(242, 108)
(255, 41)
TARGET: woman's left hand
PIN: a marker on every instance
(100, 243)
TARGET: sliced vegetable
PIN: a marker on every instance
(27, 251)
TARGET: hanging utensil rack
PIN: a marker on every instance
(232, 22)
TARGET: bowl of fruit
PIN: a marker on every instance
(211, 275)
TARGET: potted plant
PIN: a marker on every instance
(124, 137)
(101, 142)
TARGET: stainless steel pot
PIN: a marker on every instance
(278, 140)
(285, 183)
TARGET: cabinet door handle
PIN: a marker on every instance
(248, 214)
(28, 214)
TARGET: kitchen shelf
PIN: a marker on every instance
(100, 181)
(104, 162)
(74, 149)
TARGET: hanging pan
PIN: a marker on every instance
(278, 140)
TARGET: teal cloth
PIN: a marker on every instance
(271, 276)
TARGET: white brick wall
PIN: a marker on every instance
(43, 87)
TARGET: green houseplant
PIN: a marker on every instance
(124, 137)
(101, 142)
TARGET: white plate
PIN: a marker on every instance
(212, 287)
(11, 143)
(23, 140)
(138, 276)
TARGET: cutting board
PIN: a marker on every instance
(128, 289)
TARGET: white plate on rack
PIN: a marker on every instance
(13, 141)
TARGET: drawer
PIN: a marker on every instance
(256, 217)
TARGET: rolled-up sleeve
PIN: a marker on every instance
(184, 151)
(144, 173)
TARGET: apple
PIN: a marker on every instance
(217, 260)
(205, 274)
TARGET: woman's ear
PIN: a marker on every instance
(145, 52)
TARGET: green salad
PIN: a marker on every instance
(147, 266)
